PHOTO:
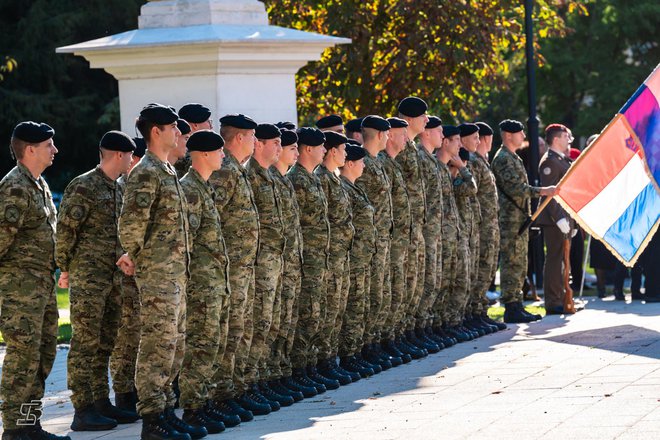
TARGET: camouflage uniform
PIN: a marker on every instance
(27, 290)
(362, 252)
(153, 230)
(342, 231)
(412, 175)
(240, 220)
(208, 292)
(378, 188)
(511, 179)
(88, 248)
(432, 237)
(316, 236)
(397, 295)
(280, 364)
(182, 165)
(267, 271)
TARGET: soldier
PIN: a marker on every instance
(316, 236)
(27, 281)
(395, 295)
(152, 249)
(268, 267)
(557, 224)
(340, 218)
(514, 193)
(208, 291)
(179, 154)
(361, 254)
(86, 252)
(238, 211)
(354, 130)
(331, 123)
(198, 117)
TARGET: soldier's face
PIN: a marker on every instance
(271, 149)
(168, 135)
(486, 141)
(180, 149)
(359, 167)
(289, 155)
(318, 153)
(398, 138)
(453, 144)
(337, 129)
(248, 141)
(435, 136)
(44, 153)
(471, 142)
(383, 136)
(340, 155)
(418, 124)
(125, 161)
(215, 159)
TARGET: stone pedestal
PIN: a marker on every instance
(221, 53)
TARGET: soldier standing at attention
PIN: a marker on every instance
(331, 123)
(86, 252)
(354, 130)
(198, 118)
(153, 230)
(27, 241)
(514, 194)
(238, 211)
(177, 155)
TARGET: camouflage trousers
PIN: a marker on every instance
(378, 295)
(432, 276)
(162, 339)
(124, 355)
(95, 315)
(416, 274)
(228, 381)
(396, 288)
(352, 326)
(29, 327)
(206, 337)
(489, 246)
(460, 290)
(513, 262)
(291, 282)
(312, 290)
(449, 262)
(267, 289)
(333, 305)
(473, 269)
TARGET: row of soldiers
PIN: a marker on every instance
(279, 252)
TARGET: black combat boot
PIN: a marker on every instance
(474, 328)
(277, 386)
(427, 343)
(232, 407)
(155, 427)
(513, 314)
(300, 376)
(126, 401)
(535, 316)
(401, 348)
(89, 419)
(353, 375)
(195, 432)
(330, 384)
(199, 419)
(428, 332)
(394, 361)
(489, 320)
(107, 409)
(327, 370)
(255, 394)
(458, 334)
(415, 343)
(255, 407)
(350, 364)
(216, 413)
(272, 395)
(291, 384)
(367, 363)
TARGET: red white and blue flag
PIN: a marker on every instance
(612, 189)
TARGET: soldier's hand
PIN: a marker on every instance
(549, 191)
(126, 265)
(456, 161)
(63, 282)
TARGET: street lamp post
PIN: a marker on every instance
(532, 120)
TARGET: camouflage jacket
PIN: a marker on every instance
(400, 200)
(450, 219)
(486, 190)
(433, 187)
(412, 175)
(511, 178)
(153, 225)
(375, 183)
(269, 206)
(182, 165)
(238, 210)
(27, 225)
(209, 262)
(364, 242)
(290, 214)
(87, 223)
(340, 216)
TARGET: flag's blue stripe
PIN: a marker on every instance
(632, 98)
(629, 231)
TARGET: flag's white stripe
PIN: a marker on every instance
(601, 212)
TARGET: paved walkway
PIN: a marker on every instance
(592, 375)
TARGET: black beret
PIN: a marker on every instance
(267, 131)
(312, 137)
(195, 113)
(205, 140)
(397, 122)
(329, 121)
(289, 137)
(467, 129)
(286, 124)
(464, 154)
(117, 141)
(29, 131)
(511, 126)
(183, 126)
(140, 147)
(238, 121)
(450, 130)
(353, 142)
(484, 129)
(376, 122)
(159, 114)
(412, 106)
(355, 152)
(333, 139)
(434, 122)
(353, 125)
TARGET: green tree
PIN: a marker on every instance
(7, 66)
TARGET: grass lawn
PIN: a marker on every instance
(497, 313)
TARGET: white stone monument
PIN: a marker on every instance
(221, 53)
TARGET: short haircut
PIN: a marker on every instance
(144, 127)
(228, 132)
(553, 131)
(18, 146)
(369, 133)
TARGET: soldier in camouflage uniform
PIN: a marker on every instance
(208, 292)
(177, 155)
(158, 254)
(86, 252)
(514, 194)
(198, 118)
(342, 231)
(238, 211)
(27, 283)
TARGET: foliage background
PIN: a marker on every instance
(465, 57)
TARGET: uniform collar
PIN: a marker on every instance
(258, 169)
(166, 166)
(25, 172)
(107, 180)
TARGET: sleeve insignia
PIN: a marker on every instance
(193, 220)
(12, 214)
(143, 199)
(77, 212)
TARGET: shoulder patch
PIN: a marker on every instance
(77, 212)
(193, 220)
(547, 171)
(143, 199)
(16, 192)
(12, 214)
